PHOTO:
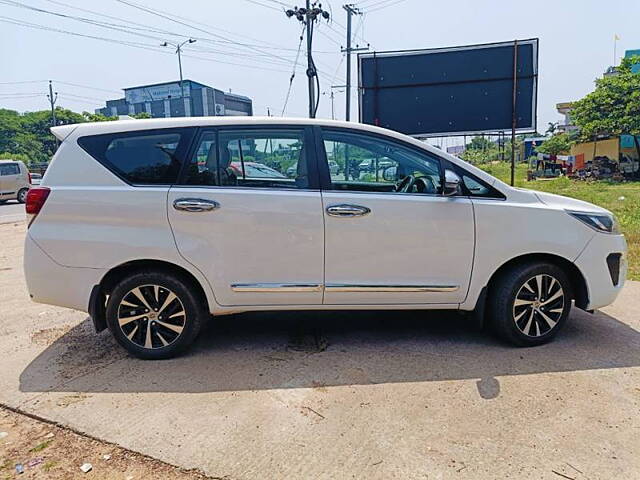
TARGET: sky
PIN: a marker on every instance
(250, 46)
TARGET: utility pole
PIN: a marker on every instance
(178, 47)
(308, 15)
(333, 116)
(351, 10)
(52, 100)
(311, 71)
(331, 96)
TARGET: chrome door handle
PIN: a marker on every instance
(195, 205)
(346, 210)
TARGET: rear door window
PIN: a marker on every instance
(266, 157)
(147, 157)
(9, 169)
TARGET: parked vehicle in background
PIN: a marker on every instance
(36, 178)
(14, 181)
(334, 169)
(369, 164)
(254, 170)
(151, 227)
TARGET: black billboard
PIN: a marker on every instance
(450, 91)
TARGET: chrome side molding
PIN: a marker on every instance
(276, 287)
(346, 287)
(338, 287)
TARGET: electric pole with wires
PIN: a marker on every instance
(308, 15)
(52, 101)
(351, 10)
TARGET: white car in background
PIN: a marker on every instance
(152, 227)
(36, 178)
(15, 181)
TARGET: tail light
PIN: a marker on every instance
(30, 182)
(36, 196)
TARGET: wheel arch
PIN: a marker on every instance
(116, 274)
(578, 282)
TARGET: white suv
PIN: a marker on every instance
(153, 225)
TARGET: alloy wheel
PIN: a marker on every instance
(538, 305)
(151, 316)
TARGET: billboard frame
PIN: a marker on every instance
(534, 42)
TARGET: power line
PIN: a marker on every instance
(22, 82)
(87, 86)
(117, 27)
(140, 45)
(255, 2)
(386, 5)
(140, 26)
(161, 14)
(63, 94)
(293, 74)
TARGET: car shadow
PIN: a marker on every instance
(276, 350)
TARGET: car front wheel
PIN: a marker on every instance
(155, 315)
(529, 304)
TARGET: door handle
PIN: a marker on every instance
(195, 205)
(346, 210)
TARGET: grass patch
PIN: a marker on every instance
(41, 446)
(49, 465)
(603, 193)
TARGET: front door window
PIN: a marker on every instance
(366, 163)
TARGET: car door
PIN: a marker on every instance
(392, 237)
(9, 175)
(253, 231)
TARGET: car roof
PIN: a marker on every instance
(97, 128)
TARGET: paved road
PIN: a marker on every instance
(394, 395)
(11, 211)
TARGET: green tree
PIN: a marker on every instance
(97, 117)
(555, 145)
(28, 136)
(613, 108)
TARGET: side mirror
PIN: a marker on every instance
(389, 174)
(452, 183)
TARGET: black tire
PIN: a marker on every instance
(165, 343)
(541, 318)
(22, 195)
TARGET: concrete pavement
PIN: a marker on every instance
(11, 211)
(394, 395)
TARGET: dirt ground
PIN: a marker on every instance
(51, 452)
(331, 395)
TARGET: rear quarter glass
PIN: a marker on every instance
(141, 157)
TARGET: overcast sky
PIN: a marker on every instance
(576, 45)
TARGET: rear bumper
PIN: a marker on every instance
(54, 284)
(592, 262)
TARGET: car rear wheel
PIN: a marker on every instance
(22, 195)
(155, 315)
(529, 304)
